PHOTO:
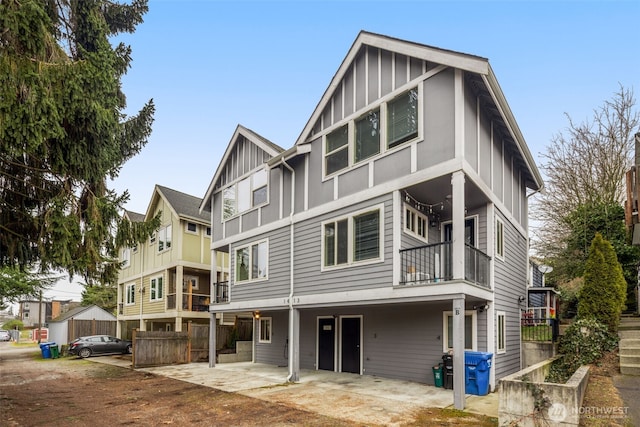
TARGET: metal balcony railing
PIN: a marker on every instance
(434, 263)
(221, 292)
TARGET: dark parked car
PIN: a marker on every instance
(99, 344)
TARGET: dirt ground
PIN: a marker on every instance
(601, 392)
(70, 391)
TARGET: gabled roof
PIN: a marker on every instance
(486, 84)
(75, 312)
(134, 216)
(271, 148)
(181, 204)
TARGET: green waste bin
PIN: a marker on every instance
(54, 351)
(437, 375)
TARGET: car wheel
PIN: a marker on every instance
(84, 352)
(129, 349)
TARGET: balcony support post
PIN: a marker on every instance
(458, 228)
(179, 285)
(458, 352)
(212, 339)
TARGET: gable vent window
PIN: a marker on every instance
(192, 227)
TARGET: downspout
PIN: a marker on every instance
(141, 284)
(291, 231)
(526, 268)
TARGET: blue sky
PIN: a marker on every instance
(211, 65)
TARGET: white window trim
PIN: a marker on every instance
(381, 104)
(350, 262)
(266, 319)
(126, 258)
(474, 330)
(235, 259)
(186, 227)
(476, 224)
(165, 248)
(500, 240)
(418, 215)
(234, 186)
(127, 293)
(499, 332)
(153, 283)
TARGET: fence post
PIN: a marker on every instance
(133, 351)
(189, 342)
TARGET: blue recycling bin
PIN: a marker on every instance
(477, 370)
(46, 349)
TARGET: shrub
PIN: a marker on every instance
(604, 292)
(584, 342)
(13, 324)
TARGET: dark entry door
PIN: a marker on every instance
(351, 344)
(326, 344)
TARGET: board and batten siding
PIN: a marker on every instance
(309, 279)
(510, 278)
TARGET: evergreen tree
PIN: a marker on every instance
(603, 294)
(103, 296)
(63, 133)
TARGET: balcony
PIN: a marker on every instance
(434, 263)
(190, 302)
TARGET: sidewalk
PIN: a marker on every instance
(360, 398)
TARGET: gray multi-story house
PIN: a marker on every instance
(395, 228)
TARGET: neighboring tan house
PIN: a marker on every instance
(393, 231)
(165, 282)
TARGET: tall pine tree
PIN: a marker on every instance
(63, 133)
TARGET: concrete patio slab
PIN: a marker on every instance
(360, 398)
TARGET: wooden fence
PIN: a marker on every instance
(81, 328)
(155, 348)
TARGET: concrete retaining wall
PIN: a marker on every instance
(535, 352)
(517, 406)
(244, 353)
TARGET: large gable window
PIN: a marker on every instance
(245, 194)
(337, 150)
(388, 125)
(252, 262)
(402, 118)
(353, 239)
